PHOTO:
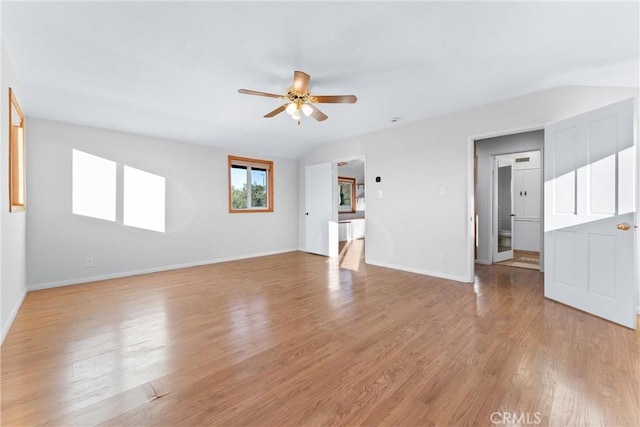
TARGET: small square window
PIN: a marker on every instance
(250, 185)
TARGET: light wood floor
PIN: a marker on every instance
(295, 339)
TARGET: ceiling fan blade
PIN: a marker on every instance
(255, 92)
(335, 99)
(277, 111)
(317, 114)
(301, 81)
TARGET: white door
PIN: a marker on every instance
(589, 210)
(503, 213)
(321, 225)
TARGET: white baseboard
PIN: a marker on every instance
(12, 316)
(483, 262)
(441, 275)
(80, 280)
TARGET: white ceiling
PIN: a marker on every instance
(172, 69)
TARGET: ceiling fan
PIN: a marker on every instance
(300, 101)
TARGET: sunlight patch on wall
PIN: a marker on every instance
(144, 200)
(95, 192)
(626, 181)
(94, 186)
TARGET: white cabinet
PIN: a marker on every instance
(526, 187)
(526, 235)
(351, 229)
(527, 201)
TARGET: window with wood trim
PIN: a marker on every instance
(346, 194)
(17, 183)
(250, 185)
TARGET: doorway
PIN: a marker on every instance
(508, 194)
(351, 208)
(517, 208)
(335, 211)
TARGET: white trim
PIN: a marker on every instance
(471, 211)
(457, 278)
(512, 131)
(638, 309)
(483, 262)
(68, 282)
(12, 317)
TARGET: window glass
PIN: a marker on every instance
(239, 187)
(258, 188)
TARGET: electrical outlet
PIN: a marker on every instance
(89, 263)
(441, 256)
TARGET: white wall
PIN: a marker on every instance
(412, 223)
(199, 228)
(12, 234)
(519, 142)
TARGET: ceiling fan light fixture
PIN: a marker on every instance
(291, 108)
(306, 109)
(296, 115)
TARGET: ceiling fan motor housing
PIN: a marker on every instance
(298, 97)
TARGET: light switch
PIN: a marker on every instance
(442, 191)
(379, 194)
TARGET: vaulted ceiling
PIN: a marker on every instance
(172, 69)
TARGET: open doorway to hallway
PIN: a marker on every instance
(351, 212)
(509, 198)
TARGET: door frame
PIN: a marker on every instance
(334, 179)
(335, 204)
(471, 192)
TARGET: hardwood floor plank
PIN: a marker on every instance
(297, 339)
(408, 413)
(104, 409)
